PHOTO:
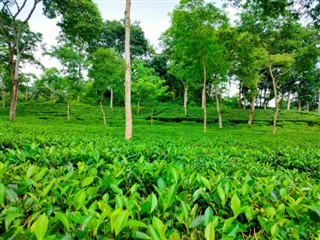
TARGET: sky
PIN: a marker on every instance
(153, 16)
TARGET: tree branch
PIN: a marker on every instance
(19, 8)
(32, 10)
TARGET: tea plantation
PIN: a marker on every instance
(82, 180)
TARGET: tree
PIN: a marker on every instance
(250, 59)
(192, 34)
(113, 36)
(107, 71)
(274, 23)
(69, 60)
(128, 132)
(78, 16)
(18, 38)
(148, 88)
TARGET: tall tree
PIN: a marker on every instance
(148, 88)
(107, 71)
(113, 36)
(191, 33)
(18, 38)
(128, 131)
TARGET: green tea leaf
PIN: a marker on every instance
(209, 232)
(87, 181)
(63, 218)
(208, 216)
(249, 214)
(140, 235)
(161, 184)
(39, 227)
(3, 194)
(154, 202)
(79, 199)
(136, 224)
(119, 220)
(206, 183)
(235, 205)
(222, 195)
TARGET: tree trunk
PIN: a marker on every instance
(218, 105)
(251, 110)
(319, 102)
(128, 133)
(15, 88)
(299, 105)
(265, 102)
(275, 100)
(111, 98)
(185, 100)
(102, 111)
(204, 100)
(152, 111)
(244, 101)
(138, 110)
(2, 94)
(239, 96)
(26, 96)
(289, 101)
(68, 110)
(308, 107)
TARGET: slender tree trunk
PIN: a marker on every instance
(204, 97)
(15, 88)
(289, 101)
(185, 100)
(319, 102)
(26, 96)
(244, 101)
(128, 133)
(102, 111)
(308, 107)
(299, 105)
(152, 112)
(265, 102)
(218, 105)
(239, 96)
(275, 100)
(68, 110)
(111, 98)
(138, 110)
(251, 110)
(2, 94)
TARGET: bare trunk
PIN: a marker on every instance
(244, 101)
(204, 100)
(26, 96)
(102, 111)
(265, 103)
(111, 98)
(185, 100)
(128, 133)
(308, 107)
(319, 102)
(15, 88)
(299, 105)
(138, 110)
(239, 96)
(289, 101)
(218, 105)
(251, 110)
(68, 110)
(152, 111)
(275, 100)
(79, 77)
(2, 93)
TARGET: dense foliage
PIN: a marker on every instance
(81, 180)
